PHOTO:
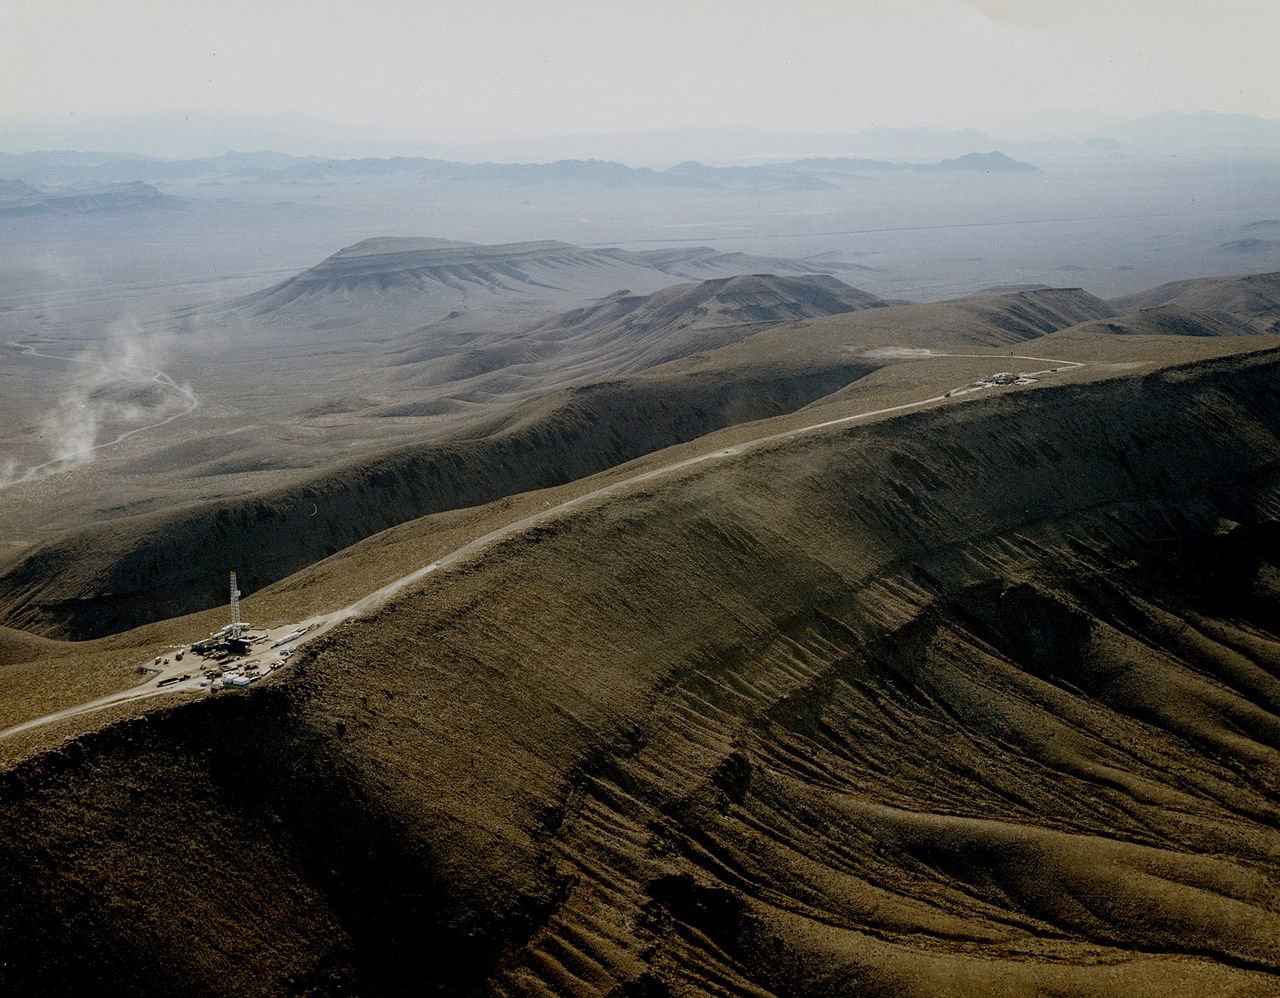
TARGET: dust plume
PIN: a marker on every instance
(93, 399)
(115, 386)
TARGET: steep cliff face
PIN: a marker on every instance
(980, 699)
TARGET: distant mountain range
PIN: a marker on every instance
(810, 174)
(709, 158)
(202, 134)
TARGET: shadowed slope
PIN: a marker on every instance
(979, 699)
(109, 577)
(652, 329)
(625, 332)
(1171, 320)
(1256, 297)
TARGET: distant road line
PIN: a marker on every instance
(321, 623)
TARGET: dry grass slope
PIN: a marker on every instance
(111, 576)
(979, 699)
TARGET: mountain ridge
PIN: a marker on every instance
(412, 281)
(20, 198)
(772, 728)
(1254, 296)
(88, 581)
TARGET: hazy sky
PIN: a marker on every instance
(472, 68)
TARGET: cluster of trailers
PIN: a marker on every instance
(244, 674)
(226, 648)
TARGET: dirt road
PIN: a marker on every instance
(321, 623)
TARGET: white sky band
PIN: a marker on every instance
(509, 68)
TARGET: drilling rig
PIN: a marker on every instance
(230, 639)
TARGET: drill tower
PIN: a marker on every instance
(235, 608)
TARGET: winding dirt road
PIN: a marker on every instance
(157, 375)
(321, 623)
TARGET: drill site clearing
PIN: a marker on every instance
(232, 657)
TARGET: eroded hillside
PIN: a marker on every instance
(125, 571)
(111, 576)
(980, 698)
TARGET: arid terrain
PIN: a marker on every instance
(639, 500)
(678, 622)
